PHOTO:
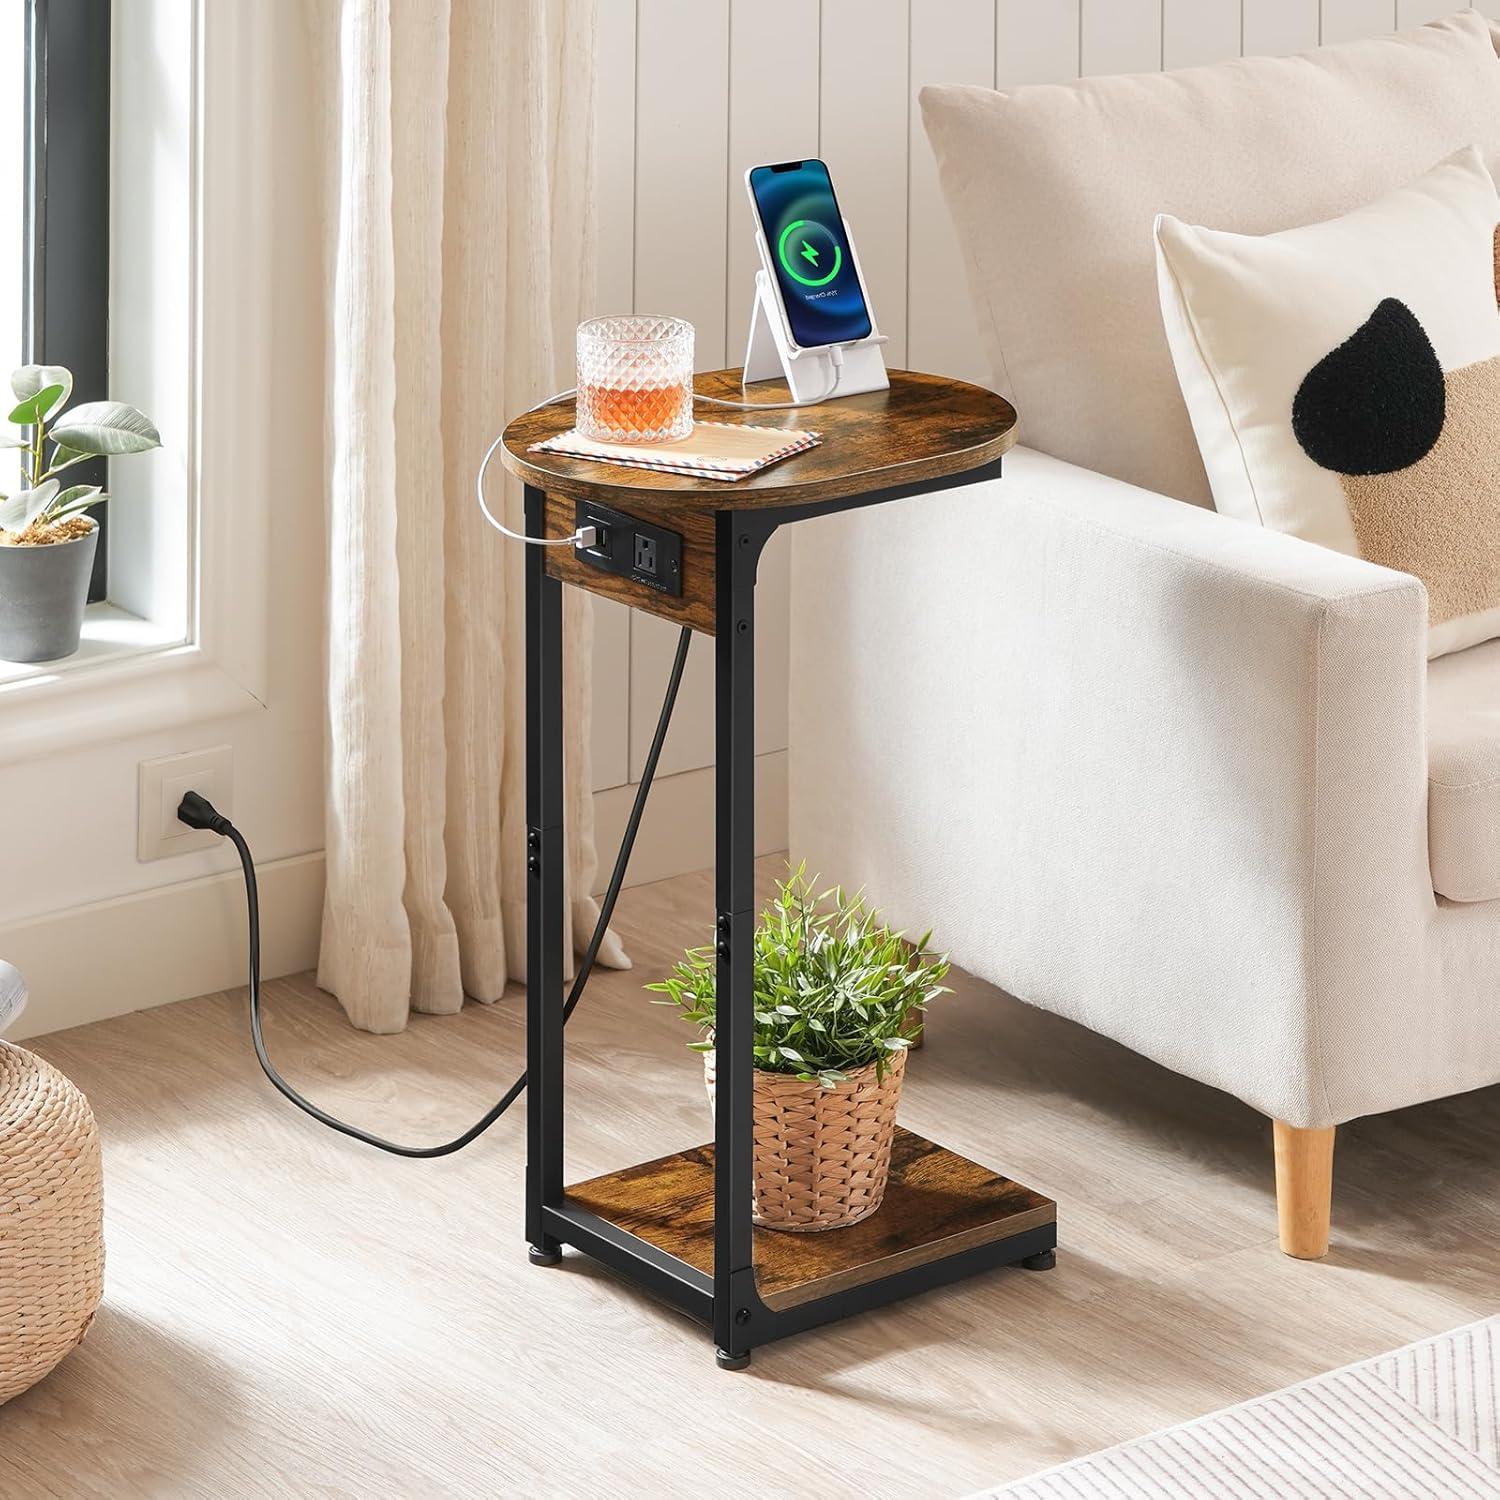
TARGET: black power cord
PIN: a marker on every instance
(198, 812)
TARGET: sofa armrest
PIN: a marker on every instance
(1148, 767)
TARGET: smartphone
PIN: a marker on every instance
(807, 247)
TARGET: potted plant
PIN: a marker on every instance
(839, 999)
(47, 543)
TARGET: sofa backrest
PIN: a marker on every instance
(1054, 190)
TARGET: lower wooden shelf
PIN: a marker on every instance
(937, 1204)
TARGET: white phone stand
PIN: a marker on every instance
(810, 374)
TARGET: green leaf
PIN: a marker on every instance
(7, 441)
(31, 380)
(35, 408)
(21, 510)
(75, 498)
(64, 458)
(832, 987)
(106, 428)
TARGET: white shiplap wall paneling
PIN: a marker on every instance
(774, 48)
(681, 239)
(614, 152)
(1419, 12)
(682, 143)
(614, 146)
(1036, 41)
(1199, 31)
(864, 126)
(1273, 28)
(941, 334)
(610, 738)
(1349, 20)
(773, 116)
(1120, 36)
(690, 741)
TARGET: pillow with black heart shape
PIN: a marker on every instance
(1343, 380)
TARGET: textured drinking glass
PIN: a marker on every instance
(635, 379)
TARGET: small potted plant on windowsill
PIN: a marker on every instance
(839, 998)
(47, 542)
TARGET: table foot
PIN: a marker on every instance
(1043, 1260)
(726, 1361)
(548, 1254)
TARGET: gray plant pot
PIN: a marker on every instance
(42, 594)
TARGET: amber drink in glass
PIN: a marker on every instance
(635, 379)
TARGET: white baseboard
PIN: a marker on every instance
(151, 948)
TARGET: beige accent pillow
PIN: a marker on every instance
(1344, 382)
(1054, 190)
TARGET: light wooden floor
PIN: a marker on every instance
(289, 1314)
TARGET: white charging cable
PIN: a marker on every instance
(835, 353)
(586, 536)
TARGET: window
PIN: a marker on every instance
(62, 240)
(175, 243)
(12, 185)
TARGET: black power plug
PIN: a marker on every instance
(198, 812)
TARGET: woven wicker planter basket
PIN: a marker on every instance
(822, 1156)
(51, 1219)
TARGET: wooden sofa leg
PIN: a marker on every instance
(1304, 1189)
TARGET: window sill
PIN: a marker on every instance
(110, 634)
(129, 677)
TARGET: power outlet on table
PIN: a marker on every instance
(635, 549)
(163, 782)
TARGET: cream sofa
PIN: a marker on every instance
(1186, 781)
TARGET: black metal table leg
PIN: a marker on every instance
(544, 889)
(738, 542)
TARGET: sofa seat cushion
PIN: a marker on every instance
(1463, 773)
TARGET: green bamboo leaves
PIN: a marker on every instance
(834, 988)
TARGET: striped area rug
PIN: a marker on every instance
(1420, 1423)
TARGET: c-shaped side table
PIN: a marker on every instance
(681, 1226)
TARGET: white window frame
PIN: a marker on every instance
(221, 668)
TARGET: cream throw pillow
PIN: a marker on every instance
(1053, 190)
(1343, 381)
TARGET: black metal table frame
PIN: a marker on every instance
(729, 1301)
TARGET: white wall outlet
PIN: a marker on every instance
(163, 783)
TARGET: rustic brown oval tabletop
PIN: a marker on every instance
(923, 427)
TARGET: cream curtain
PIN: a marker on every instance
(462, 255)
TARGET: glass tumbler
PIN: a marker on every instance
(635, 379)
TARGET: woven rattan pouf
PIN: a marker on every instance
(51, 1218)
